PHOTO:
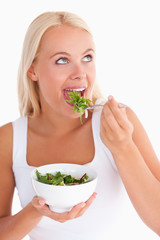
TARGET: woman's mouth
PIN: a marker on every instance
(80, 91)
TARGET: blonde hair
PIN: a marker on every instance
(28, 91)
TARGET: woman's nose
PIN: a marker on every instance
(78, 73)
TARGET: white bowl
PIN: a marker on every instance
(63, 198)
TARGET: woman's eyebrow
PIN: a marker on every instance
(88, 50)
(66, 53)
(60, 53)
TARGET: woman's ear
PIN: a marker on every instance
(32, 74)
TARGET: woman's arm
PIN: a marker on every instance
(19, 225)
(136, 161)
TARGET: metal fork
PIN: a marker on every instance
(101, 105)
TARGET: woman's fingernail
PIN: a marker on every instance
(110, 97)
(41, 202)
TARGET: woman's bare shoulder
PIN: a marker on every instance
(6, 142)
(6, 132)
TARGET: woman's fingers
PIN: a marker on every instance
(108, 118)
(116, 129)
(38, 202)
(81, 208)
(76, 211)
(114, 112)
(115, 116)
(87, 204)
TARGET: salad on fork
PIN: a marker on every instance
(82, 105)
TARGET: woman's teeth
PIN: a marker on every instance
(75, 90)
(79, 90)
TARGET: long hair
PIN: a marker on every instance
(28, 91)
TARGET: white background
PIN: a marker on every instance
(127, 36)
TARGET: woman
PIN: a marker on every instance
(59, 57)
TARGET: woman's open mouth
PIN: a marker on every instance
(80, 91)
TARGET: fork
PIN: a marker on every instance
(101, 105)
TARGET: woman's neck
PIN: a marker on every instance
(50, 124)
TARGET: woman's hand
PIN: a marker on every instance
(116, 130)
(77, 211)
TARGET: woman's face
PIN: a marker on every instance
(65, 62)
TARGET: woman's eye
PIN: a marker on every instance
(62, 61)
(87, 58)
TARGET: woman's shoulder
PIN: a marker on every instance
(6, 130)
(6, 140)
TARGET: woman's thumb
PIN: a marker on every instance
(38, 202)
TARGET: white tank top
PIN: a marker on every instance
(102, 215)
